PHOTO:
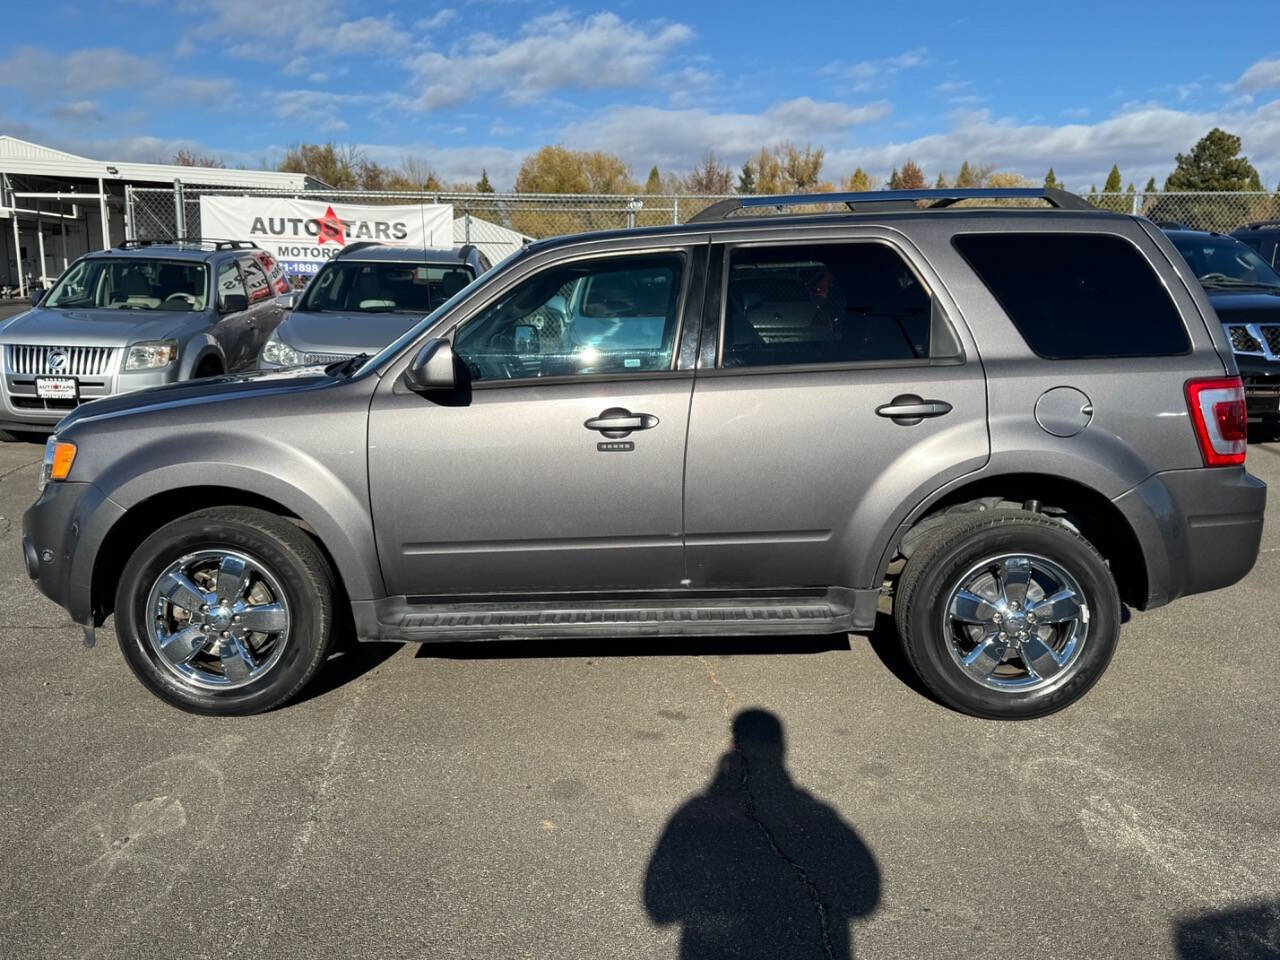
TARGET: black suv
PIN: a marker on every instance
(1264, 237)
(1245, 292)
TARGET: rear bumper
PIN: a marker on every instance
(61, 534)
(1199, 529)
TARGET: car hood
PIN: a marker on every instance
(343, 332)
(1245, 306)
(92, 328)
(206, 390)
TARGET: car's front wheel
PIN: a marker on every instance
(228, 610)
(1007, 614)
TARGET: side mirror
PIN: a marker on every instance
(287, 301)
(37, 294)
(432, 368)
(234, 302)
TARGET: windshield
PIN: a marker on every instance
(406, 338)
(369, 286)
(1224, 262)
(132, 283)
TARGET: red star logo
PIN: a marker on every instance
(331, 228)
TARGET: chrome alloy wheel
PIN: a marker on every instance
(1016, 622)
(218, 619)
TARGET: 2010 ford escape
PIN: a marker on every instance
(1014, 418)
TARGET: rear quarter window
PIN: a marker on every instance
(1078, 295)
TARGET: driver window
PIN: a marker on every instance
(615, 315)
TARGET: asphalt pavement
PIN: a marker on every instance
(581, 800)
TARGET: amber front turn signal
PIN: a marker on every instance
(64, 454)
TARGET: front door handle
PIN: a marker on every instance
(617, 422)
(908, 409)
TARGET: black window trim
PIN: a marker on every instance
(690, 264)
(726, 249)
(1160, 277)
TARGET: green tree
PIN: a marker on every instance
(1151, 186)
(912, 177)
(895, 179)
(1213, 164)
(940, 183)
(483, 185)
(1051, 181)
(654, 183)
(1113, 184)
(747, 179)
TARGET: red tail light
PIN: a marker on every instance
(1220, 421)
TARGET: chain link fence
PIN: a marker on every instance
(158, 213)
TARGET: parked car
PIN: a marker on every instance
(1012, 420)
(364, 298)
(1264, 237)
(141, 314)
(1245, 292)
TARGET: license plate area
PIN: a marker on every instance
(57, 388)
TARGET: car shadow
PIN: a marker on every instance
(755, 866)
(632, 647)
(1249, 932)
(350, 660)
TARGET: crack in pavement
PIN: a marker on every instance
(753, 815)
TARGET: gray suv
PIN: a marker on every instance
(142, 314)
(1004, 421)
(364, 298)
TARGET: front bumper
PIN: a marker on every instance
(61, 535)
(21, 409)
(1261, 387)
(1199, 529)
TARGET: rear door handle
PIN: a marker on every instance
(617, 422)
(909, 409)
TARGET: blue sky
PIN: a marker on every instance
(481, 84)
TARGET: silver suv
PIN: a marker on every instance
(144, 313)
(1004, 422)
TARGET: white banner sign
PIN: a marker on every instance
(303, 234)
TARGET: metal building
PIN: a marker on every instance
(55, 206)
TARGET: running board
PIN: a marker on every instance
(839, 610)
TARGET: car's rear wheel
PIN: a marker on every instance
(227, 610)
(1007, 614)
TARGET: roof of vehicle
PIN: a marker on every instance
(368, 250)
(171, 249)
(1257, 226)
(876, 207)
(1188, 232)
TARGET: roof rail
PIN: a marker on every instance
(895, 200)
(1260, 224)
(216, 243)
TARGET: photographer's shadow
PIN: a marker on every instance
(756, 866)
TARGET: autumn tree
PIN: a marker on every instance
(858, 182)
(973, 175)
(186, 158)
(1051, 181)
(327, 162)
(556, 169)
(710, 176)
(912, 177)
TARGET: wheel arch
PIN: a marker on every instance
(146, 516)
(1094, 514)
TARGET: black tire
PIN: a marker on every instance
(936, 567)
(291, 557)
(207, 368)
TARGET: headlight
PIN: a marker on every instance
(280, 354)
(148, 356)
(58, 457)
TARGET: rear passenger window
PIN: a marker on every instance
(1078, 295)
(824, 303)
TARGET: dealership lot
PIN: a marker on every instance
(507, 800)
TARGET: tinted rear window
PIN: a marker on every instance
(1078, 295)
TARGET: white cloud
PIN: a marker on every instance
(296, 26)
(868, 73)
(678, 138)
(553, 52)
(454, 164)
(45, 75)
(86, 111)
(1263, 75)
(1142, 141)
(437, 20)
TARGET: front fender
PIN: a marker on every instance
(195, 350)
(329, 496)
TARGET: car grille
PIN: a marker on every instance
(1272, 334)
(1242, 341)
(313, 358)
(58, 361)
